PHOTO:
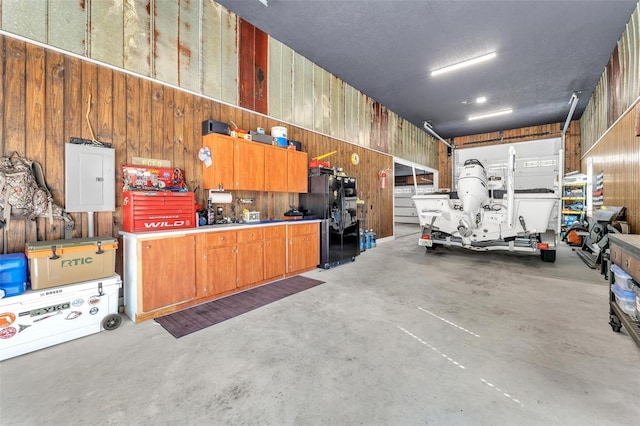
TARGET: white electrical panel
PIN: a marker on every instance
(90, 178)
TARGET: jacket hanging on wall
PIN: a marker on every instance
(24, 194)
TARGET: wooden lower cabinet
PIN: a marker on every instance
(304, 247)
(275, 252)
(167, 271)
(166, 274)
(217, 254)
(250, 264)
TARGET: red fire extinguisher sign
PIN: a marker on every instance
(383, 179)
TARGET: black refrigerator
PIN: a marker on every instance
(333, 199)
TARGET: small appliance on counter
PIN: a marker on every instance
(248, 216)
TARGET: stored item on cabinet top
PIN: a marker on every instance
(212, 126)
(144, 178)
(315, 161)
(145, 211)
(261, 137)
(60, 262)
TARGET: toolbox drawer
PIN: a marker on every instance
(145, 211)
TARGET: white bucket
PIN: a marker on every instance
(279, 132)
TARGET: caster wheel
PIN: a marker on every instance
(615, 328)
(111, 322)
(353, 259)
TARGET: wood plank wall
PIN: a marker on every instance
(617, 154)
(43, 101)
(547, 131)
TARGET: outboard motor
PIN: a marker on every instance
(473, 191)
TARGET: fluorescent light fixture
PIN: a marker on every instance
(491, 114)
(264, 2)
(464, 64)
(481, 100)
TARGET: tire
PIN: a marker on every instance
(548, 255)
(111, 322)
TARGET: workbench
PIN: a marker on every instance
(624, 252)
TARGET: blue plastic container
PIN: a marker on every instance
(13, 274)
(367, 235)
(280, 141)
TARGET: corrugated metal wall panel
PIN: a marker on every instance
(26, 18)
(337, 107)
(106, 32)
(318, 99)
(275, 78)
(351, 113)
(66, 25)
(188, 44)
(212, 50)
(165, 42)
(137, 37)
(307, 84)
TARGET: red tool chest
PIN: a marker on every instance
(145, 211)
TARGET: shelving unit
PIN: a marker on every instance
(574, 202)
(625, 252)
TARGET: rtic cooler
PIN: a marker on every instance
(145, 211)
(59, 262)
(38, 319)
(13, 274)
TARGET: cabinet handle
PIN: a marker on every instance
(221, 238)
(148, 247)
(626, 263)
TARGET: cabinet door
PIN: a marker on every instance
(250, 263)
(168, 271)
(220, 270)
(298, 170)
(248, 163)
(275, 251)
(312, 250)
(275, 169)
(220, 174)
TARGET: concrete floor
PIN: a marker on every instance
(399, 337)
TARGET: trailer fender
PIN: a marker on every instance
(549, 237)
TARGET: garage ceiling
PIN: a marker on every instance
(545, 51)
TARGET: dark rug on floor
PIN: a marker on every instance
(202, 316)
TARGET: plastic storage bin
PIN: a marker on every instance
(13, 274)
(621, 278)
(626, 300)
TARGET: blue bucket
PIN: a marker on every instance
(280, 141)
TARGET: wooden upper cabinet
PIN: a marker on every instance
(298, 170)
(220, 175)
(276, 169)
(248, 163)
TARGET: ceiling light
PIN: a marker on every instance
(464, 64)
(491, 114)
(481, 100)
(264, 2)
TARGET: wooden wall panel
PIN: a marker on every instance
(45, 96)
(618, 155)
(572, 145)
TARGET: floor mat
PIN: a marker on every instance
(196, 318)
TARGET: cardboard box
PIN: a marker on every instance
(145, 211)
(60, 262)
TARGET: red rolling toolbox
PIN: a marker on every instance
(145, 211)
